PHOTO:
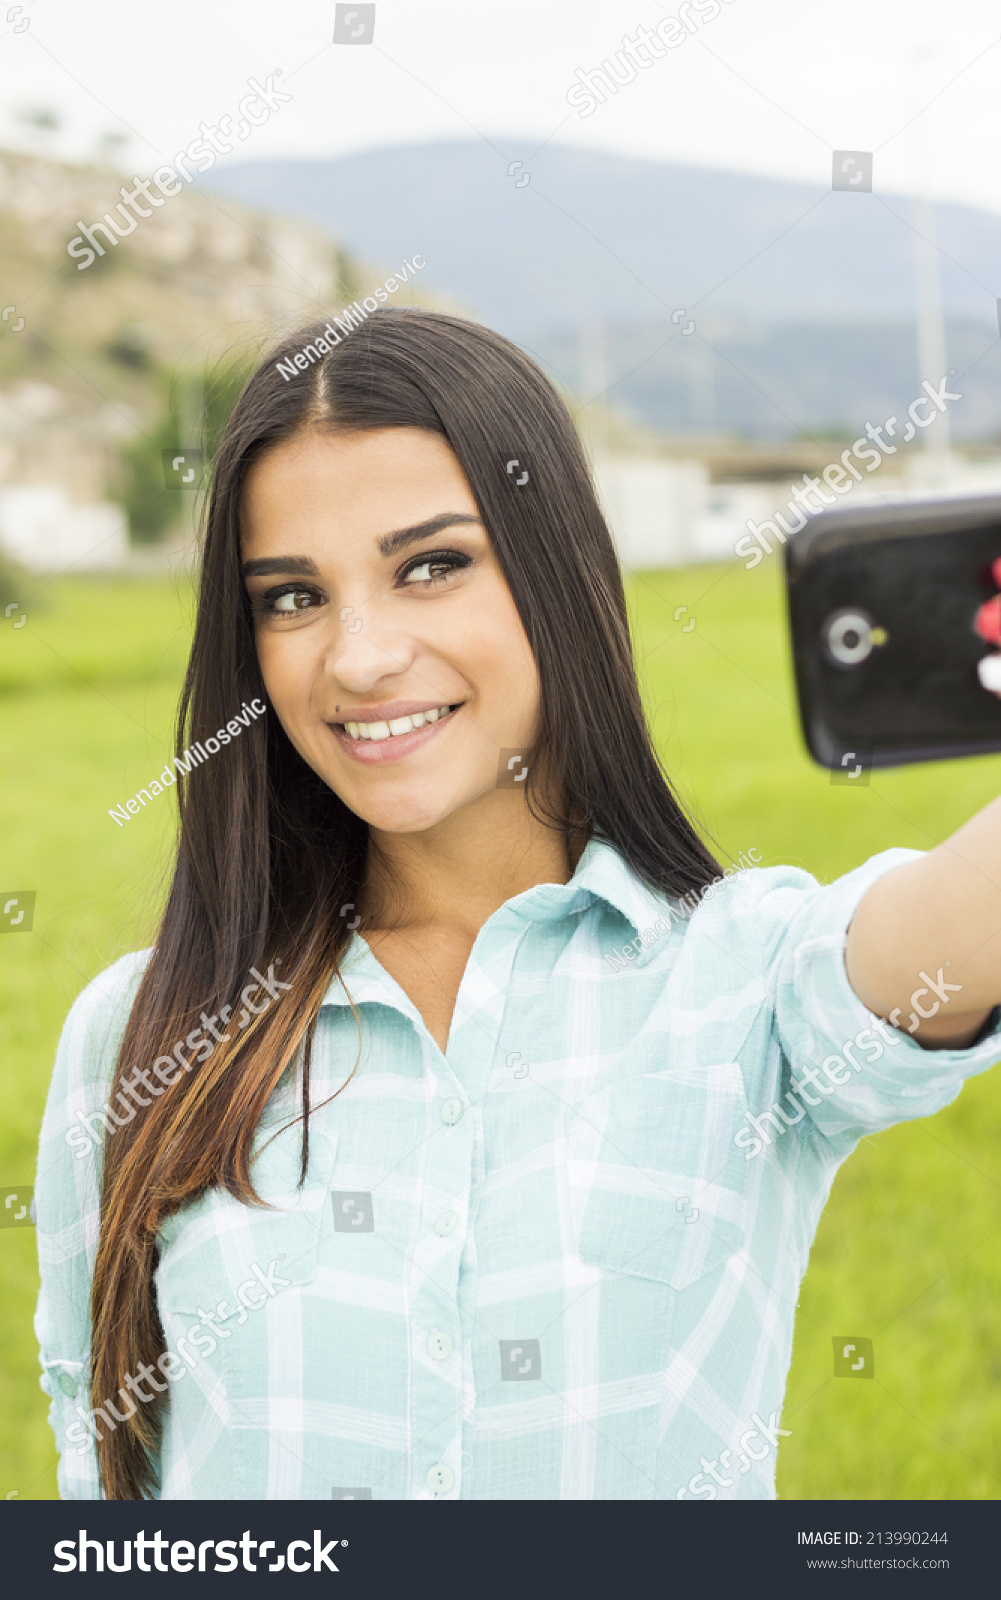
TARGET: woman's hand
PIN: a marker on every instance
(926, 938)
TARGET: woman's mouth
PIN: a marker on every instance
(391, 738)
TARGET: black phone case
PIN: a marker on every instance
(918, 570)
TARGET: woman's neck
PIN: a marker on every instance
(461, 871)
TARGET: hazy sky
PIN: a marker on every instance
(769, 86)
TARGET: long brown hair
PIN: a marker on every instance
(268, 855)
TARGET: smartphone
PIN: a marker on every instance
(882, 600)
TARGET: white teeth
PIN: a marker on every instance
(394, 729)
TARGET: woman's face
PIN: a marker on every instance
(389, 643)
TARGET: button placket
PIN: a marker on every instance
(440, 1478)
(452, 1168)
(473, 1044)
(439, 1344)
(435, 1339)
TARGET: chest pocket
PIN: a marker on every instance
(214, 1247)
(657, 1185)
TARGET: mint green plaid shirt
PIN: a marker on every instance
(548, 1264)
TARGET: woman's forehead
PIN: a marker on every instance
(351, 485)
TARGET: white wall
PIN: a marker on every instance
(43, 531)
(652, 506)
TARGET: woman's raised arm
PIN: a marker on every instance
(924, 946)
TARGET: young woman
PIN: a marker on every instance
(465, 1131)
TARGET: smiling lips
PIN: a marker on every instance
(390, 737)
(395, 728)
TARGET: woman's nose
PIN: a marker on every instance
(361, 652)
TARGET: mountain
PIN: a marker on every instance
(803, 298)
(594, 235)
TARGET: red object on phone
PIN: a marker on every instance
(988, 619)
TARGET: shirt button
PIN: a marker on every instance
(451, 1111)
(67, 1384)
(439, 1345)
(446, 1222)
(440, 1478)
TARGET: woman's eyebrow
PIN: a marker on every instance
(265, 566)
(392, 543)
(388, 545)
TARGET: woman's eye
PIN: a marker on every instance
(434, 569)
(286, 602)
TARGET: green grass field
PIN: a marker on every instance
(909, 1249)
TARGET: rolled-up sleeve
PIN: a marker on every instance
(853, 1076)
(67, 1207)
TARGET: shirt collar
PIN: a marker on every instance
(602, 873)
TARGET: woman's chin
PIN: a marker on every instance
(403, 813)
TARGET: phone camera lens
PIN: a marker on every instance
(848, 636)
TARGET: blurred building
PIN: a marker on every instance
(671, 509)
